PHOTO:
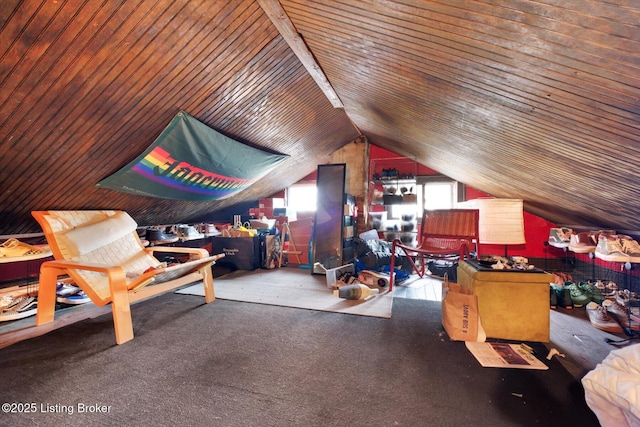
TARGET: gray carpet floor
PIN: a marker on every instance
(241, 364)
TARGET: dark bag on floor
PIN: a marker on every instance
(241, 253)
(442, 268)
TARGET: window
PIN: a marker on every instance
(302, 197)
(440, 194)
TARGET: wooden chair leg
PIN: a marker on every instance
(207, 280)
(122, 322)
(121, 308)
(47, 294)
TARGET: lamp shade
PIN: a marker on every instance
(501, 220)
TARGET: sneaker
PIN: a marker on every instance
(631, 248)
(189, 232)
(582, 243)
(210, 230)
(19, 308)
(563, 295)
(609, 248)
(75, 299)
(610, 290)
(15, 248)
(66, 289)
(626, 298)
(559, 237)
(578, 297)
(553, 297)
(626, 319)
(593, 291)
(156, 236)
(599, 318)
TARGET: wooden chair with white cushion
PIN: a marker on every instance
(101, 251)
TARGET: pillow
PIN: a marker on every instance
(90, 237)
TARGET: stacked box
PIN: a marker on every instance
(290, 213)
(271, 203)
(261, 212)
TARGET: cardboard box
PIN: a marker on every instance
(271, 203)
(262, 223)
(348, 232)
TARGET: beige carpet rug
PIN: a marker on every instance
(291, 287)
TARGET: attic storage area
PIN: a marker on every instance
(515, 100)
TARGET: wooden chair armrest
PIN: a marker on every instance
(109, 269)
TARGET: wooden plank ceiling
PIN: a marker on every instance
(529, 99)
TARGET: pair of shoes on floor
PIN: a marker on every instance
(570, 295)
(607, 288)
(582, 293)
(580, 296)
(627, 317)
(626, 298)
(67, 293)
(17, 308)
(600, 318)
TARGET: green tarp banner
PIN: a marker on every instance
(191, 161)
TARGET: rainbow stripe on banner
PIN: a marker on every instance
(191, 161)
(159, 166)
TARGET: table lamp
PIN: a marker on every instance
(501, 221)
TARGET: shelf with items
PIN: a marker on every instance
(393, 200)
(392, 181)
(394, 192)
(589, 258)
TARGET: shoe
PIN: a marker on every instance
(626, 298)
(188, 232)
(626, 319)
(582, 243)
(609, 248)
(210, 230)
(70, 294)
(553, 297)
(560, 277)
(578, 297)
(593, 291)
(631, 248)
(66, 289)
(563, 295)
(599, 318)
(559, 237)
(75, 299)
(19, 308)
(610, 290)
(15, 248)
(157, 237)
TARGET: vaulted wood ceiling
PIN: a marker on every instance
(529, 99)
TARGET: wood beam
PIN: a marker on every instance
(281, 21)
